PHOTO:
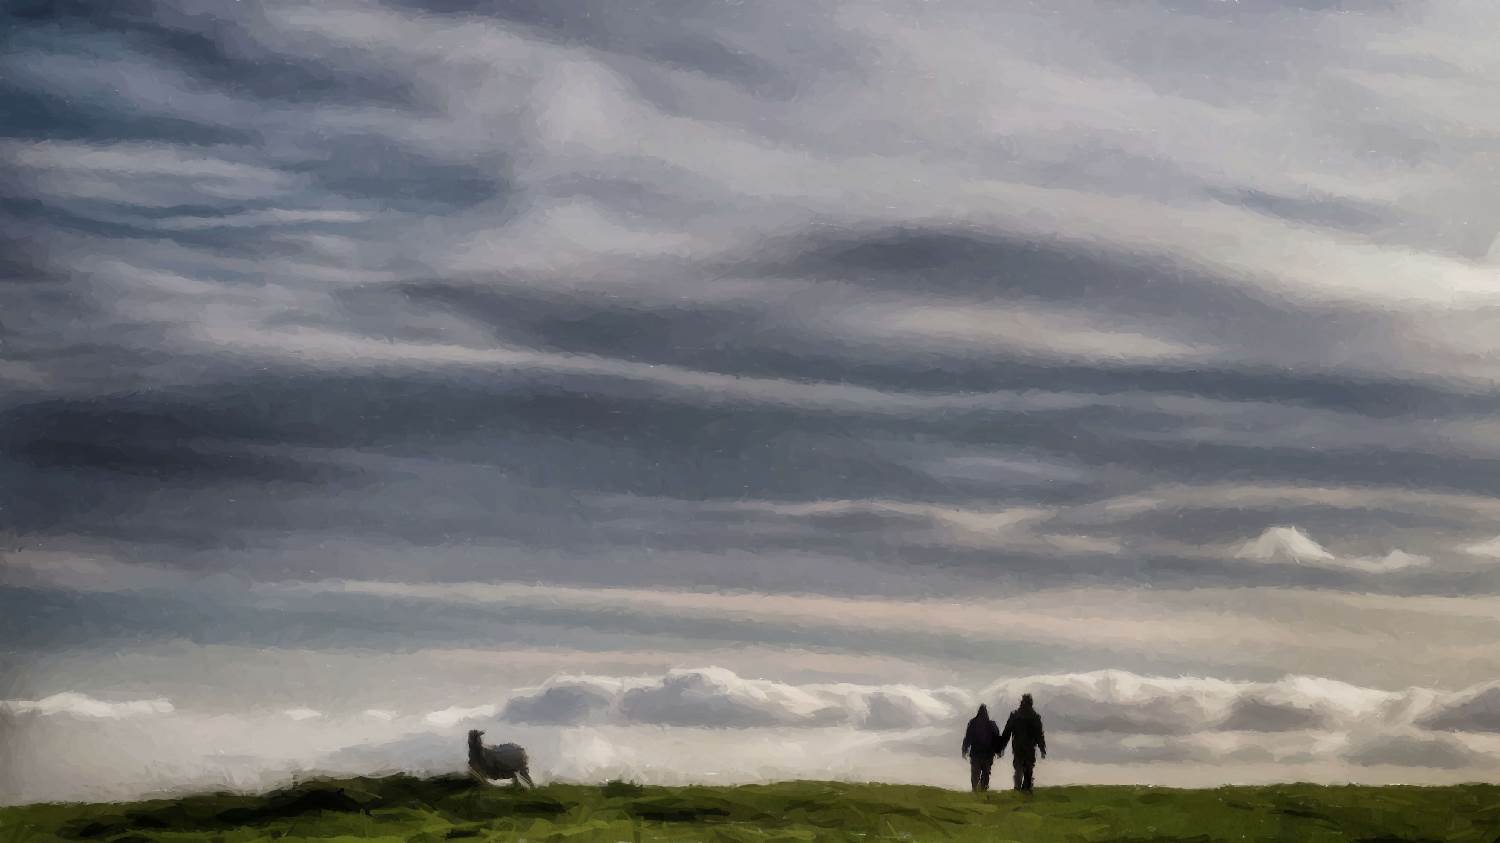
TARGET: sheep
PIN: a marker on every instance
(506, 761)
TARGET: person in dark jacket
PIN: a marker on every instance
(1023, 731)
(981, 744)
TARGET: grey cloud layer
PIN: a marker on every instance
(992, 262)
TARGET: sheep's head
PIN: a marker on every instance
(474, 735)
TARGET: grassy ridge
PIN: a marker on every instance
(404, 808)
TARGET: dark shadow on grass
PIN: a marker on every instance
(224, 811)
(678, 810)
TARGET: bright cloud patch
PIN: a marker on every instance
(1284, 544)
(1489, 548)
(458, 714)
(1291, 546)
(82, 705)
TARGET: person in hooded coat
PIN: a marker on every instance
(1023, 731)
(981, 744)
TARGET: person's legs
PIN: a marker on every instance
(976, 770)
(1017, 765)
(1026, 776)
(984, 774)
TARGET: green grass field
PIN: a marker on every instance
(404, 808)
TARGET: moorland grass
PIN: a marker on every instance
(406, 808)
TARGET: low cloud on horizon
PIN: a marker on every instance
(1109, 724)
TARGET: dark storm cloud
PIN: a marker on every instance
(197, 41)
(591, 468)
(1325, 211)
(365, 169)
(38, 114)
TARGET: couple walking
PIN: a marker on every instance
(984, 740)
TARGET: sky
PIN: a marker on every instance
(743, 389)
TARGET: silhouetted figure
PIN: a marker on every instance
(981, 744)
(1023, 731)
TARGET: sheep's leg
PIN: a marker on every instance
(525, 775)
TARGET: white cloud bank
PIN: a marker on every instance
(1489, 548)
(710, 724)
